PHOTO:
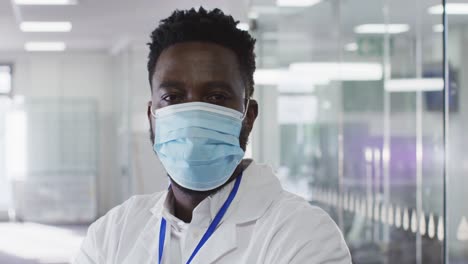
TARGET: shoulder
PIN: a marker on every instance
(103, 238)
(125, 220)
(137, 206)
(291, 207)
(308, 230)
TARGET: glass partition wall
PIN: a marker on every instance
(358, 102)
(456, 20)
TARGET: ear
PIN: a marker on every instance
(252, 113)
(150, 120)
(148, 113)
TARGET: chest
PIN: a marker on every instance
(247, 243)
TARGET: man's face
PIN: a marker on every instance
(200, 72)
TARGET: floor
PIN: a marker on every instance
(32, 243)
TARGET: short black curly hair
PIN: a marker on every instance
(208, 26)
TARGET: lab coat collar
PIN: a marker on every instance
(258, 190)
(248, 204)
(259, 187)
(256, 193)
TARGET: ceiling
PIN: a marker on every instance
(99, 24)
(112, 24)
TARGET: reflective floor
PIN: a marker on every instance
(32, 243)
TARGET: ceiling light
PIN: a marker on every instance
(452, 9)
(243, 26)
(45, 26)
(438, 28)
(269, 76)
(44, 46)
(45, 2)
(308, 74)
(353, 46)
(414, 85)
(340, 71)
(381, 28)
(297, 3)
(287, 77)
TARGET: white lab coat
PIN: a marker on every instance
(264, 224)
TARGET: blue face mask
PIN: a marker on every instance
(198, 143)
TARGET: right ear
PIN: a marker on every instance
(148, 110)
(150, 120)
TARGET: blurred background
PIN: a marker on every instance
(365, 103)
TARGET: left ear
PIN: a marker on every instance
(251, 116)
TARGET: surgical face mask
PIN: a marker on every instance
(198, 143)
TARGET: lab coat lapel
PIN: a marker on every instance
(146, 247)
(258, 190)
(223, 241)
(145, 250)
(247, 206)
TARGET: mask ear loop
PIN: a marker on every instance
(246, 109)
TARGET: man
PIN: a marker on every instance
(218, 208)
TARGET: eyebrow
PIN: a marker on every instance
(211, 84)
(171, 84)
(219, 84)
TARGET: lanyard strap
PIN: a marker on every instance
(211, 229)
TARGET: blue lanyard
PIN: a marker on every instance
(211, 229)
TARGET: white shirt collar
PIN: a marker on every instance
(205, 211)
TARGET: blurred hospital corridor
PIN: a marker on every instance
(359, 107)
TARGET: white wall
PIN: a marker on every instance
(73, 75)
(144, 169)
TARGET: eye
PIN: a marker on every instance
(216, 98)
(171, 98)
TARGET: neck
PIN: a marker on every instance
(186, 200)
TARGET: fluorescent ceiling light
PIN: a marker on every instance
(44, 46)
(45, 2)
(30, 26)
(452, 9)
(285, 77)
(341, 71)
(269, 76)
(353, 46)
(243, 26)
(381, 28)
(297, 3)
(414, 85)
(438, 28)
(306, 75)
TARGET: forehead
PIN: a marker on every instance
(197, 60)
